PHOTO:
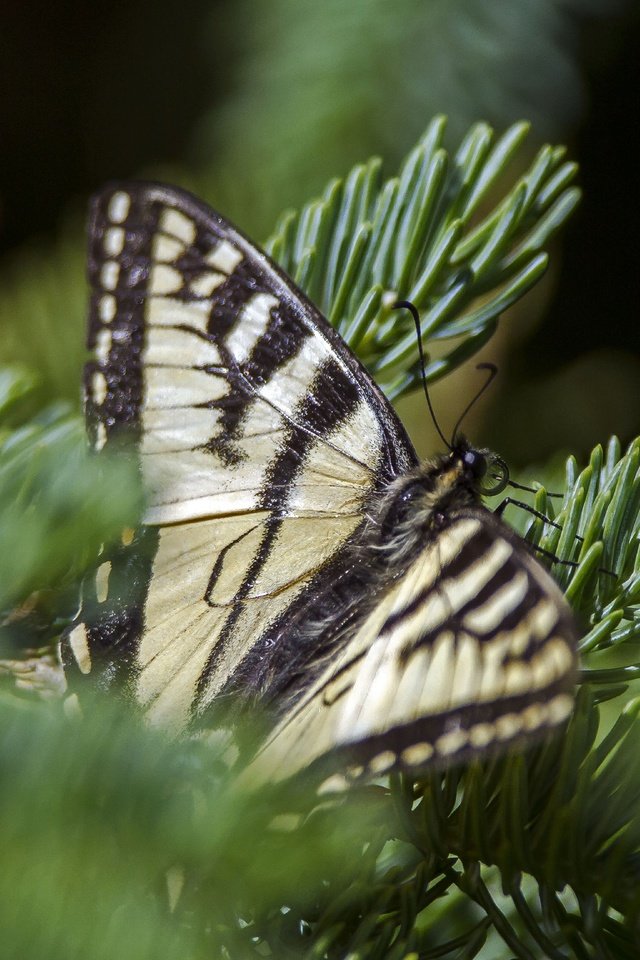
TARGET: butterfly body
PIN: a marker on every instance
(295, 557)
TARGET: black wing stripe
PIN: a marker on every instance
(498, 604)
(454, 568)
(114, 626)
(453, 734)
(114, 384)
(329, 402)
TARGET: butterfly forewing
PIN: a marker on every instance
(265, 573)
(259, 438)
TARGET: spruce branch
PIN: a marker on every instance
(427, 236)
(529, 854)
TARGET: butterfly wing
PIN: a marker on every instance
(260, 439)
(263, 448)
(472, 648)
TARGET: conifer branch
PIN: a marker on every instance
(425, 235)
(531, 854)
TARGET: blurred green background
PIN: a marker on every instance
(256, 105)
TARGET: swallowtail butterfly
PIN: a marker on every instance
(295, 557)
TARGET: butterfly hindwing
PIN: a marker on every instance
(294, 555)
(471, 648)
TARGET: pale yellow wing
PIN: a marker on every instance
(260, 441)
(472, 648)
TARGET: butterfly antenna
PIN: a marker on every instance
(493, 372)
(407, 305)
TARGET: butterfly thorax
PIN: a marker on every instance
(421, 502)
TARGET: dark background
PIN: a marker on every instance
(259, 104)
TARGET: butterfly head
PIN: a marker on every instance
(421, 502)
(482, 471)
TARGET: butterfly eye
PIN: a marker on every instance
(499, 474)
(475, 462)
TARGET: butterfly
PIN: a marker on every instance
(296, 560)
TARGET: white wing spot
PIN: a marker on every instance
(79, 643)
(206, 283)
(178, 225)
(481, 734)
(175, 884)
(355, 772)
(71, 707)
(113, 241)
(102, 581)
(417, 754)
(167, 249)
(98, 387)
(534, 716)
(103, 344)
(517, 678)
(452, 742)
(119, 207)
(164, 279)
(560, 708)
(553, 661)
(508, 726)
(169, 312)
(337, 783)
(109, 274)
(251, 324)
(544, 618)
(101, 436)
(224, 257)
(169, 347)
(107, 308)
(382, 762)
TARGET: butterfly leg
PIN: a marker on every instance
(529, 509)
(499, 510)
(523, 486)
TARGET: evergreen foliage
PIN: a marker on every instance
(120, 843)
(426, 236)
